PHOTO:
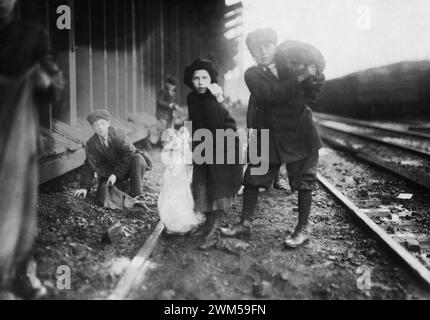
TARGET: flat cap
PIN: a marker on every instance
(97, 115)
(260, 36)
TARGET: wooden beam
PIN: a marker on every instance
(138, 266)
(52, 168)
(91, 65)
(133, 57)
(72, 66)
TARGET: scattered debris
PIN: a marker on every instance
(118, 266)
(371, 203)
(363, 193)
(413, 245)
(349, 180)
(380, 212)
(263, 289)
(324, 151)
(391, 230)
(405, 196)
(381, 286)
(285, 275)
(116, 234)
(395, 218)
(232, 245)
(166, 295)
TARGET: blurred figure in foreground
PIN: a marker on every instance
(28, 79)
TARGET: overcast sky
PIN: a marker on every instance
(352, 34)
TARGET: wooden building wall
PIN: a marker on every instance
(118, 51)
(115, 57)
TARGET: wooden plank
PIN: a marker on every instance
(409, 259)
(133, 57)
(138, 266)
(52, 168)
(90, 46)
(72, 67)
(105, 56)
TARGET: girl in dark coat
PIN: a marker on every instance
(214, 185)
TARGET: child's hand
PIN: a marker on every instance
(216, 91)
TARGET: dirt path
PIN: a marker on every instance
(70, 232)
(324, 269)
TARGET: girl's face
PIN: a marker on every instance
(201, 80)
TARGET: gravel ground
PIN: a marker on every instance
(70, 233)
(71, 230)
(325, 269)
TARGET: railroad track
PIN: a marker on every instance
(370, 217)
(410, 163)
(373, 125)
(364, 217)
(417, 145)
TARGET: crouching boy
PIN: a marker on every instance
(111, 154)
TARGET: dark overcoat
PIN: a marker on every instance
(205, 112)
(278, 104)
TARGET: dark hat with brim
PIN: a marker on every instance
(260, 36)
(97, 115)
(199, 64)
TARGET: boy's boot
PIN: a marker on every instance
(244, 228)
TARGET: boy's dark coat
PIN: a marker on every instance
(279, 105)
(106, 161)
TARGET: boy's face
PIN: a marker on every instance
(6, 8)
(101, 126)
(264, 53)
(170, 87)
(201, 80)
